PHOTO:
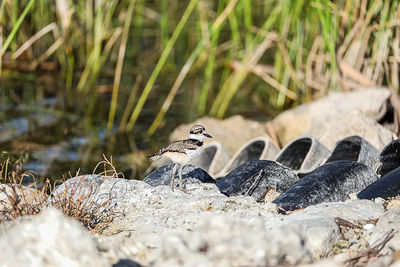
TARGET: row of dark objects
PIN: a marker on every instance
(354, 166)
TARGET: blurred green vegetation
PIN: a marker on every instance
(202, 57)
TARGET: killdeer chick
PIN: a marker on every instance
(183, 151)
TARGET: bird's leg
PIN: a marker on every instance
(180, 176)
(181, 187)
(173, 177)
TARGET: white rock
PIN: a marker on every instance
(318, 222)
(330, 262)
(206, 228)
(368, 226)
(337, 126)
(371, 102)
(119, 247)
(227, 241)
(395, 264)
(49, 239)
(379, 200)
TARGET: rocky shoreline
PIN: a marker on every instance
(159, 227)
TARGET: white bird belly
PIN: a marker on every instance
(177, 157)
(192, 153)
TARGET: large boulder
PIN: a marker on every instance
(341, 125)
(205, 227)
(223, 240)
(83, 186)
(228, 240)
(372, 102)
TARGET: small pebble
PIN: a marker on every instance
(354, 244)
(368, 226)
(353, 196)
(128, 234)
(393, 203)
(379, 200)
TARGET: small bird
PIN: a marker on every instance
(183, 151)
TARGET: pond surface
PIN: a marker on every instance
(57, 143)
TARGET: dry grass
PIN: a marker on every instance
(76, 201)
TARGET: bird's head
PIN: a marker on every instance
(198, 132)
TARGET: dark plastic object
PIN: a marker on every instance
(255, 178)
(355, 148)
(331, 182)
(385, 187)
(259, 148)
(389, 158)
(190, 175)
(303, 154)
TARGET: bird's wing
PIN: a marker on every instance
(177, 146)
(180, 146)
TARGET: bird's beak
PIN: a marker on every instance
(207, 135)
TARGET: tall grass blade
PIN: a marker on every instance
(164, 22)
(329, 37)
(160, 64)
(52, 27)
(2, 4)
(239, 76)
(129, 103)
(120, 62)
(16, 27)
(89, 15)
(1, 45)
(209, 68)
(248, 23)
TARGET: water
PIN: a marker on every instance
(62, 140)
(59, 143)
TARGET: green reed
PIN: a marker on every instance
(16, 23)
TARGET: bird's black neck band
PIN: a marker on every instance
(196, 141)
